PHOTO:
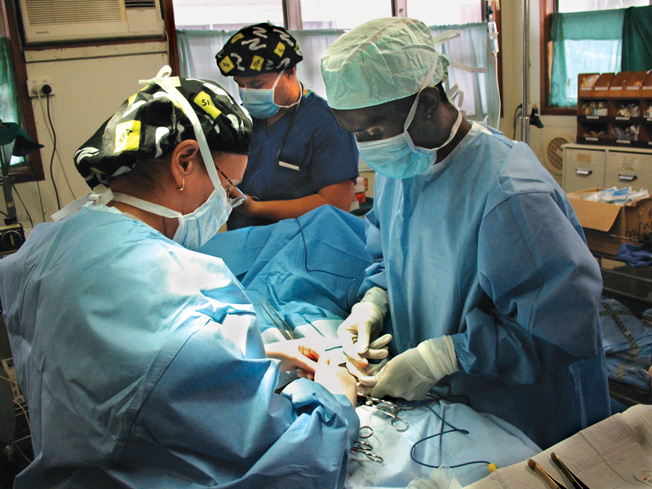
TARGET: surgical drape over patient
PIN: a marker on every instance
(381, 61)
(149, 124)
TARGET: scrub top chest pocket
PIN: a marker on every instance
(292, 170)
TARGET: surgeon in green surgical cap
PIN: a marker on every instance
(479, 259)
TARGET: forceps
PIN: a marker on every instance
(286, 330)
(577, 483)
(390, 409)
(550, 480)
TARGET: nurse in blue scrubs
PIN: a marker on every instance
(300, 158)
(141, 359)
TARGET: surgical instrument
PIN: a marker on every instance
(390, 409)
(577, 483)
(547, 478)
(365, 432)
(285, 329)
(365, 448)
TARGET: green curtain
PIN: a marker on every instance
(584, 42)
(9, 110)
(637, 39)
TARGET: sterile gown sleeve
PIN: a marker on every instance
(213, 418)
(143, 367)
(545, 292)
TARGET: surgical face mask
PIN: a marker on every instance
(195, 228)
(398, 156)
(260, 101)
(200, 225)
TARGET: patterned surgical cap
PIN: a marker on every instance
(148, 125)
(257, 49)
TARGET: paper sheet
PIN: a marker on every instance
(613, 454)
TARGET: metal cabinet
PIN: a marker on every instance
(625, 168)
(587, 166)
(583, 168)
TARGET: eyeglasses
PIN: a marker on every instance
(234, 201)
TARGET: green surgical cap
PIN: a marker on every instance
(381, 61)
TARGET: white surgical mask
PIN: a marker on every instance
(260, 101)
(195, 228)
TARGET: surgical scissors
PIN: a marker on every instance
(390, 409)
(365, 448)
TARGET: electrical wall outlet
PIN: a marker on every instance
(35, 87)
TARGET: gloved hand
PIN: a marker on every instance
(358, 333)
(414, 372)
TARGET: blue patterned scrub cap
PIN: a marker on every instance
(149, 125)
(380, 61)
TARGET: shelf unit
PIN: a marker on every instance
(615, 109)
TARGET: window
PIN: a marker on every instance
(338, 14)
(565, 6)
(9, 107)
(29, 168)
(320, 22)
(227, 15)
(578, 36)
(444, 12)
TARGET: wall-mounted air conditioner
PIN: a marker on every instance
(47, 21)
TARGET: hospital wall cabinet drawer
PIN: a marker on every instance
(583, 168)
(606, 166)
(624, 169)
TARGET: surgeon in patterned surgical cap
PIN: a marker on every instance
(141, 359)
(300, 158)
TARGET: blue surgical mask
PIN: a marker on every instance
(398, 156)
(260, 101)
(195, 228)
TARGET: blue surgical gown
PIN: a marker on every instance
(316, 153)
(486, 248)
(143, 367)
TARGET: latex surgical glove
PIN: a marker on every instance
(336, 379)
(359, 332)
(294, 355)
(414, 372)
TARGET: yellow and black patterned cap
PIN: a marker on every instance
(257, 49)
(149, 125)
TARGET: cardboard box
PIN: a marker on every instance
(607, 226)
